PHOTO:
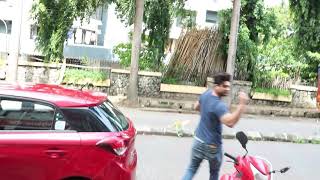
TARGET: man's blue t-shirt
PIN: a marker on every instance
(212, 108)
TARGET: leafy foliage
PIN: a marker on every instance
(277, 65)
(55, 18)
(307, 22)
(273, 51)
(146, 61)
(187, 18)
(256, 24)
(258, 20)
(313, 61)
(157, 19)
(306, 14)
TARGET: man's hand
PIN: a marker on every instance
(243, 98)
(230, 119)
(197, 106)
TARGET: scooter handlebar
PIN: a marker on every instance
(231, 157)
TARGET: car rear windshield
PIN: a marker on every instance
(113, 114)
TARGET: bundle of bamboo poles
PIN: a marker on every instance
(196, 56)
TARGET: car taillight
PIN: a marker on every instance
(116, 144)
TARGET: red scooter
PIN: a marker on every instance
(250, 167)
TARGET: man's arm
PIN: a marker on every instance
(230, 119)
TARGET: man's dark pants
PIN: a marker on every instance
(202, 151)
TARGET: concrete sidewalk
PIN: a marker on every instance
(187, 106)
(257, 127)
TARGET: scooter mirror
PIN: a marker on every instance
(284, 169)
(242, 138)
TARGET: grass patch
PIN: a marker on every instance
(176, 81)
(74, 76)
(273, 91)
(170, 81)
(300, 141)
(315, 141)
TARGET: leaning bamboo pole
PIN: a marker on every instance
(196, 56)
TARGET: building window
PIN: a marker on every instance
(98, 15)
(3, 26)
(82, 36)
(212, 17)
(33, 31)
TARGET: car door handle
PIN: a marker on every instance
(55, 153)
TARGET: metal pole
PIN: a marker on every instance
(15, 44)
(233, 37)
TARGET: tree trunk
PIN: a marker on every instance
(136, 44)
(232, 51)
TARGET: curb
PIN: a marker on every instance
(252, 135)
(250, 111)
(183, 111)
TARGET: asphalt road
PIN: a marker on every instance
(264, 124)
(166, 158)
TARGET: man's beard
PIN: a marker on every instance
(223, 94)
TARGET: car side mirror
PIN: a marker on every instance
(60, 125)
(242, 138)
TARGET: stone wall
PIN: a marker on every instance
(119, 82)
(179, 96)
(237, 86)
(181, 92)
(148, 83)
(260, 102)
(38, 73)
(303, 96)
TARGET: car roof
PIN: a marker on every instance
(55, 94)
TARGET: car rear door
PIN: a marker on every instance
(108, 143)
(30, 148)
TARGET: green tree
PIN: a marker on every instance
(276, 60)
(55, 19)
(306, 14)
(256, 24)
(157, 20)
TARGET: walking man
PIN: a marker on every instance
(214, 113)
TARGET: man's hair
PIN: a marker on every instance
(221, 77)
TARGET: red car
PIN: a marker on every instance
(50, 132)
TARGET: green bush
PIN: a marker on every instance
(146, 61)
(75, 76)
(170, 80)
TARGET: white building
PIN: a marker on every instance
(85, 40)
